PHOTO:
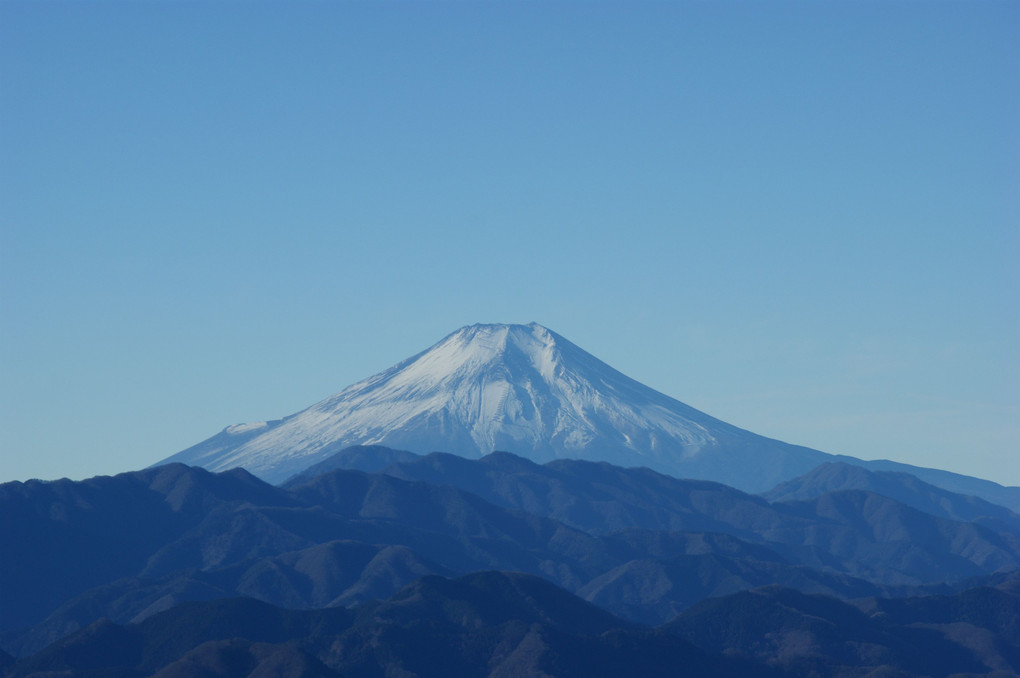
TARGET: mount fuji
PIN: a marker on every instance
(525, 389)
(516, 388)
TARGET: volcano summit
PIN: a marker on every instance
(518, 388)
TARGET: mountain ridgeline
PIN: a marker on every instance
(525, 389)
(616, 567)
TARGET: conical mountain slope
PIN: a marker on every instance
(518, 388)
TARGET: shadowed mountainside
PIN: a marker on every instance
(903, 487)
(484, 624)
(970, 633)
(502, 624)
(643, 545)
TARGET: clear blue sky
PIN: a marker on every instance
(800, 217)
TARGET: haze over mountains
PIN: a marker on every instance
(616, 532)
(525, 389)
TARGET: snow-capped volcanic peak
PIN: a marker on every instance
(500, 382)
(518, 388)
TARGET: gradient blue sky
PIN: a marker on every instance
(800, 217)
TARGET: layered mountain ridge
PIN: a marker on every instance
(123, 563)
(494, 555)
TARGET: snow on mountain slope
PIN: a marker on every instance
(517, 388)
